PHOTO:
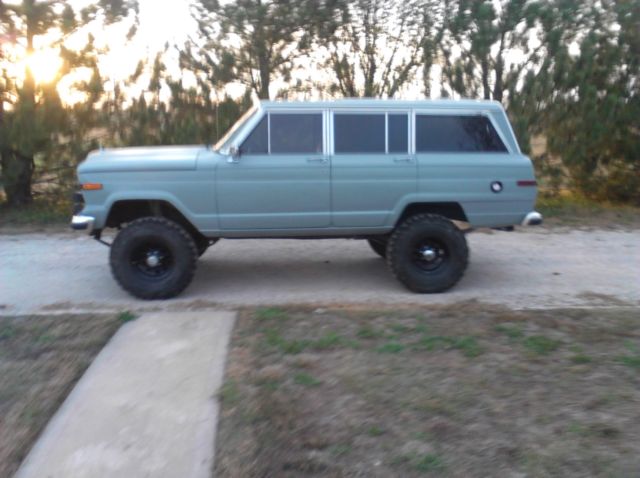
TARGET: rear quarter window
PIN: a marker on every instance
(456, 134)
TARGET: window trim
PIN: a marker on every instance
(461, 112)
(372, 111)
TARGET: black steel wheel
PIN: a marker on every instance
(153, 258)
(379, 245)
(428, 253)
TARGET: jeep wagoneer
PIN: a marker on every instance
(403, 175)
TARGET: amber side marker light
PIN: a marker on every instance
(527, 183)
(91, 186)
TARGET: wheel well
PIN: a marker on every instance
(450, 210)
(126, 211)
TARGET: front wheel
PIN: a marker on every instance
(153, 258)
(428, 253)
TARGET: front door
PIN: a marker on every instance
(281, 180)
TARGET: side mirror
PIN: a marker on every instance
(235, 154)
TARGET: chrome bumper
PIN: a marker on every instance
(82, 223)
(532, 219)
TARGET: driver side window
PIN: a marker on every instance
(258, 140)
(286, 133)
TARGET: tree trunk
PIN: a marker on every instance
(485, 78)
(17, 171)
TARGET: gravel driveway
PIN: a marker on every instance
(530, 269)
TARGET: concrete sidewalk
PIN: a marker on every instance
(146, 407)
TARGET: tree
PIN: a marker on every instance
(376, 46)
(255, 41)
(591, 115)
(185, 116)
(35, 110)
(488, 46)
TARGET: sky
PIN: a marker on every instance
(160, 21)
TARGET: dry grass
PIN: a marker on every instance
(574, 211)
(41, 358)
(462, 391)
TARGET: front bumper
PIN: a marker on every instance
(82, 223)
(532, 219)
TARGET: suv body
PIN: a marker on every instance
(346, 168)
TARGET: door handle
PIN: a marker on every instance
(403, 160)
(317, 160)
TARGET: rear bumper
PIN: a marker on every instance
(82, 223)
(532, 219)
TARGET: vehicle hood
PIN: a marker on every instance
(156, 158)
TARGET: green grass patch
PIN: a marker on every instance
(331, 340)
(7, 331)
(126, 316)
(375, 431)
(540, 344)
(428, 463)
(271, 313)
(369, 333)
(295, 346)
(229, 393)
(340, 449)
(580, 359)
(468, 345)
(306, 380)
(424, 463)
(511, 331)
(391, 348)
(632, 361)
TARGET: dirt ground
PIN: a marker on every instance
(41, 358)
(532, 268)
(467, 390)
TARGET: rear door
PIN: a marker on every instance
(463, 158)
(281, 179)
(372, 166)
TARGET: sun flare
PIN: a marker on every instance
(44, 64)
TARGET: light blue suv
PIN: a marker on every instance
(403, 175)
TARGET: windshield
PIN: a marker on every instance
(228, 138)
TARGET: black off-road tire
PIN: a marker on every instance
(418, 238)
(379, 246)
(164, 238)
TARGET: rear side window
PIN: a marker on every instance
(449, 133)
(359, 133)
(258, 141)
(296, 133)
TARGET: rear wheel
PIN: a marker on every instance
(428, 253)
(153, 258)
(379, 246)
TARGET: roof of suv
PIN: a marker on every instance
(384, 104)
